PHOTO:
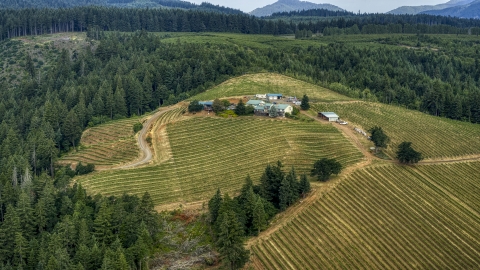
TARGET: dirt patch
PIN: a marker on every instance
(191, 206)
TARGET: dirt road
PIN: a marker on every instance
(146, 155)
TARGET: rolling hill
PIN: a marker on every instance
(290, 5)
(195, 155)
(419, 9)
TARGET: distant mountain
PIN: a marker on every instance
(18, 4)
(290, 5)
(470, 10)
(419, 9)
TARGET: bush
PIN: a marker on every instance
(226, 114)
(137, 127)
(325, 167)
(81, 169)
(195, 106)
(149, 140)
(295, 111)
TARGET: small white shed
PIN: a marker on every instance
(330, 116)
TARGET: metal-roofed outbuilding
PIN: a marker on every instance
(330, 116)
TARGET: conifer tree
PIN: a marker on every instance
(230, 240)
(71, 128)
(214, 206)
(240, 109)
(259, 216)
(8, 232)
(103, 225)
(21, 250)
(120, 107)
(305, 103)
(304, 186)
(26, 215)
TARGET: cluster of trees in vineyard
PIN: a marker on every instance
(247, 214)
(46, 224)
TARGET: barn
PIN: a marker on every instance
(330, 116)
(274, 96)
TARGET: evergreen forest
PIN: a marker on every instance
(134, 61)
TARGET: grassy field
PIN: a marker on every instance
(270, 83)
(288, 42)
(209, 153)
(434, 137)
(385, 217)
(109, 144)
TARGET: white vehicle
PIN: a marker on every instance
(341, 122)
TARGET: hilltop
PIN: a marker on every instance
(467, 10)
(290, 5)
(427, 8)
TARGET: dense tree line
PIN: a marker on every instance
(319, 12)
(46, 224)
(22, 4)
(23, 22)
(348, 19)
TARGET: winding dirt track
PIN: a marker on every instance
(146, 155)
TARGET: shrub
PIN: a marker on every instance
(226, 114)
(149, 140)
(195, 106)
(81, 169)
(137, 127)
(295, 111)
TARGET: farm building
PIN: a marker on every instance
(262, 96)
(263, 110)
(284, 108)
(274, 96)
(330, 116)
(255, 103)
(207, 105)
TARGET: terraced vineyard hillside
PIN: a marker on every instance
(106, 145)
(385, 217)
(210, 153)
(434, 137)
(263, 83)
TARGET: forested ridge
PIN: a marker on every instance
(24, 22)
(22, 4)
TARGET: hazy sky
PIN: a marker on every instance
(350, 5)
